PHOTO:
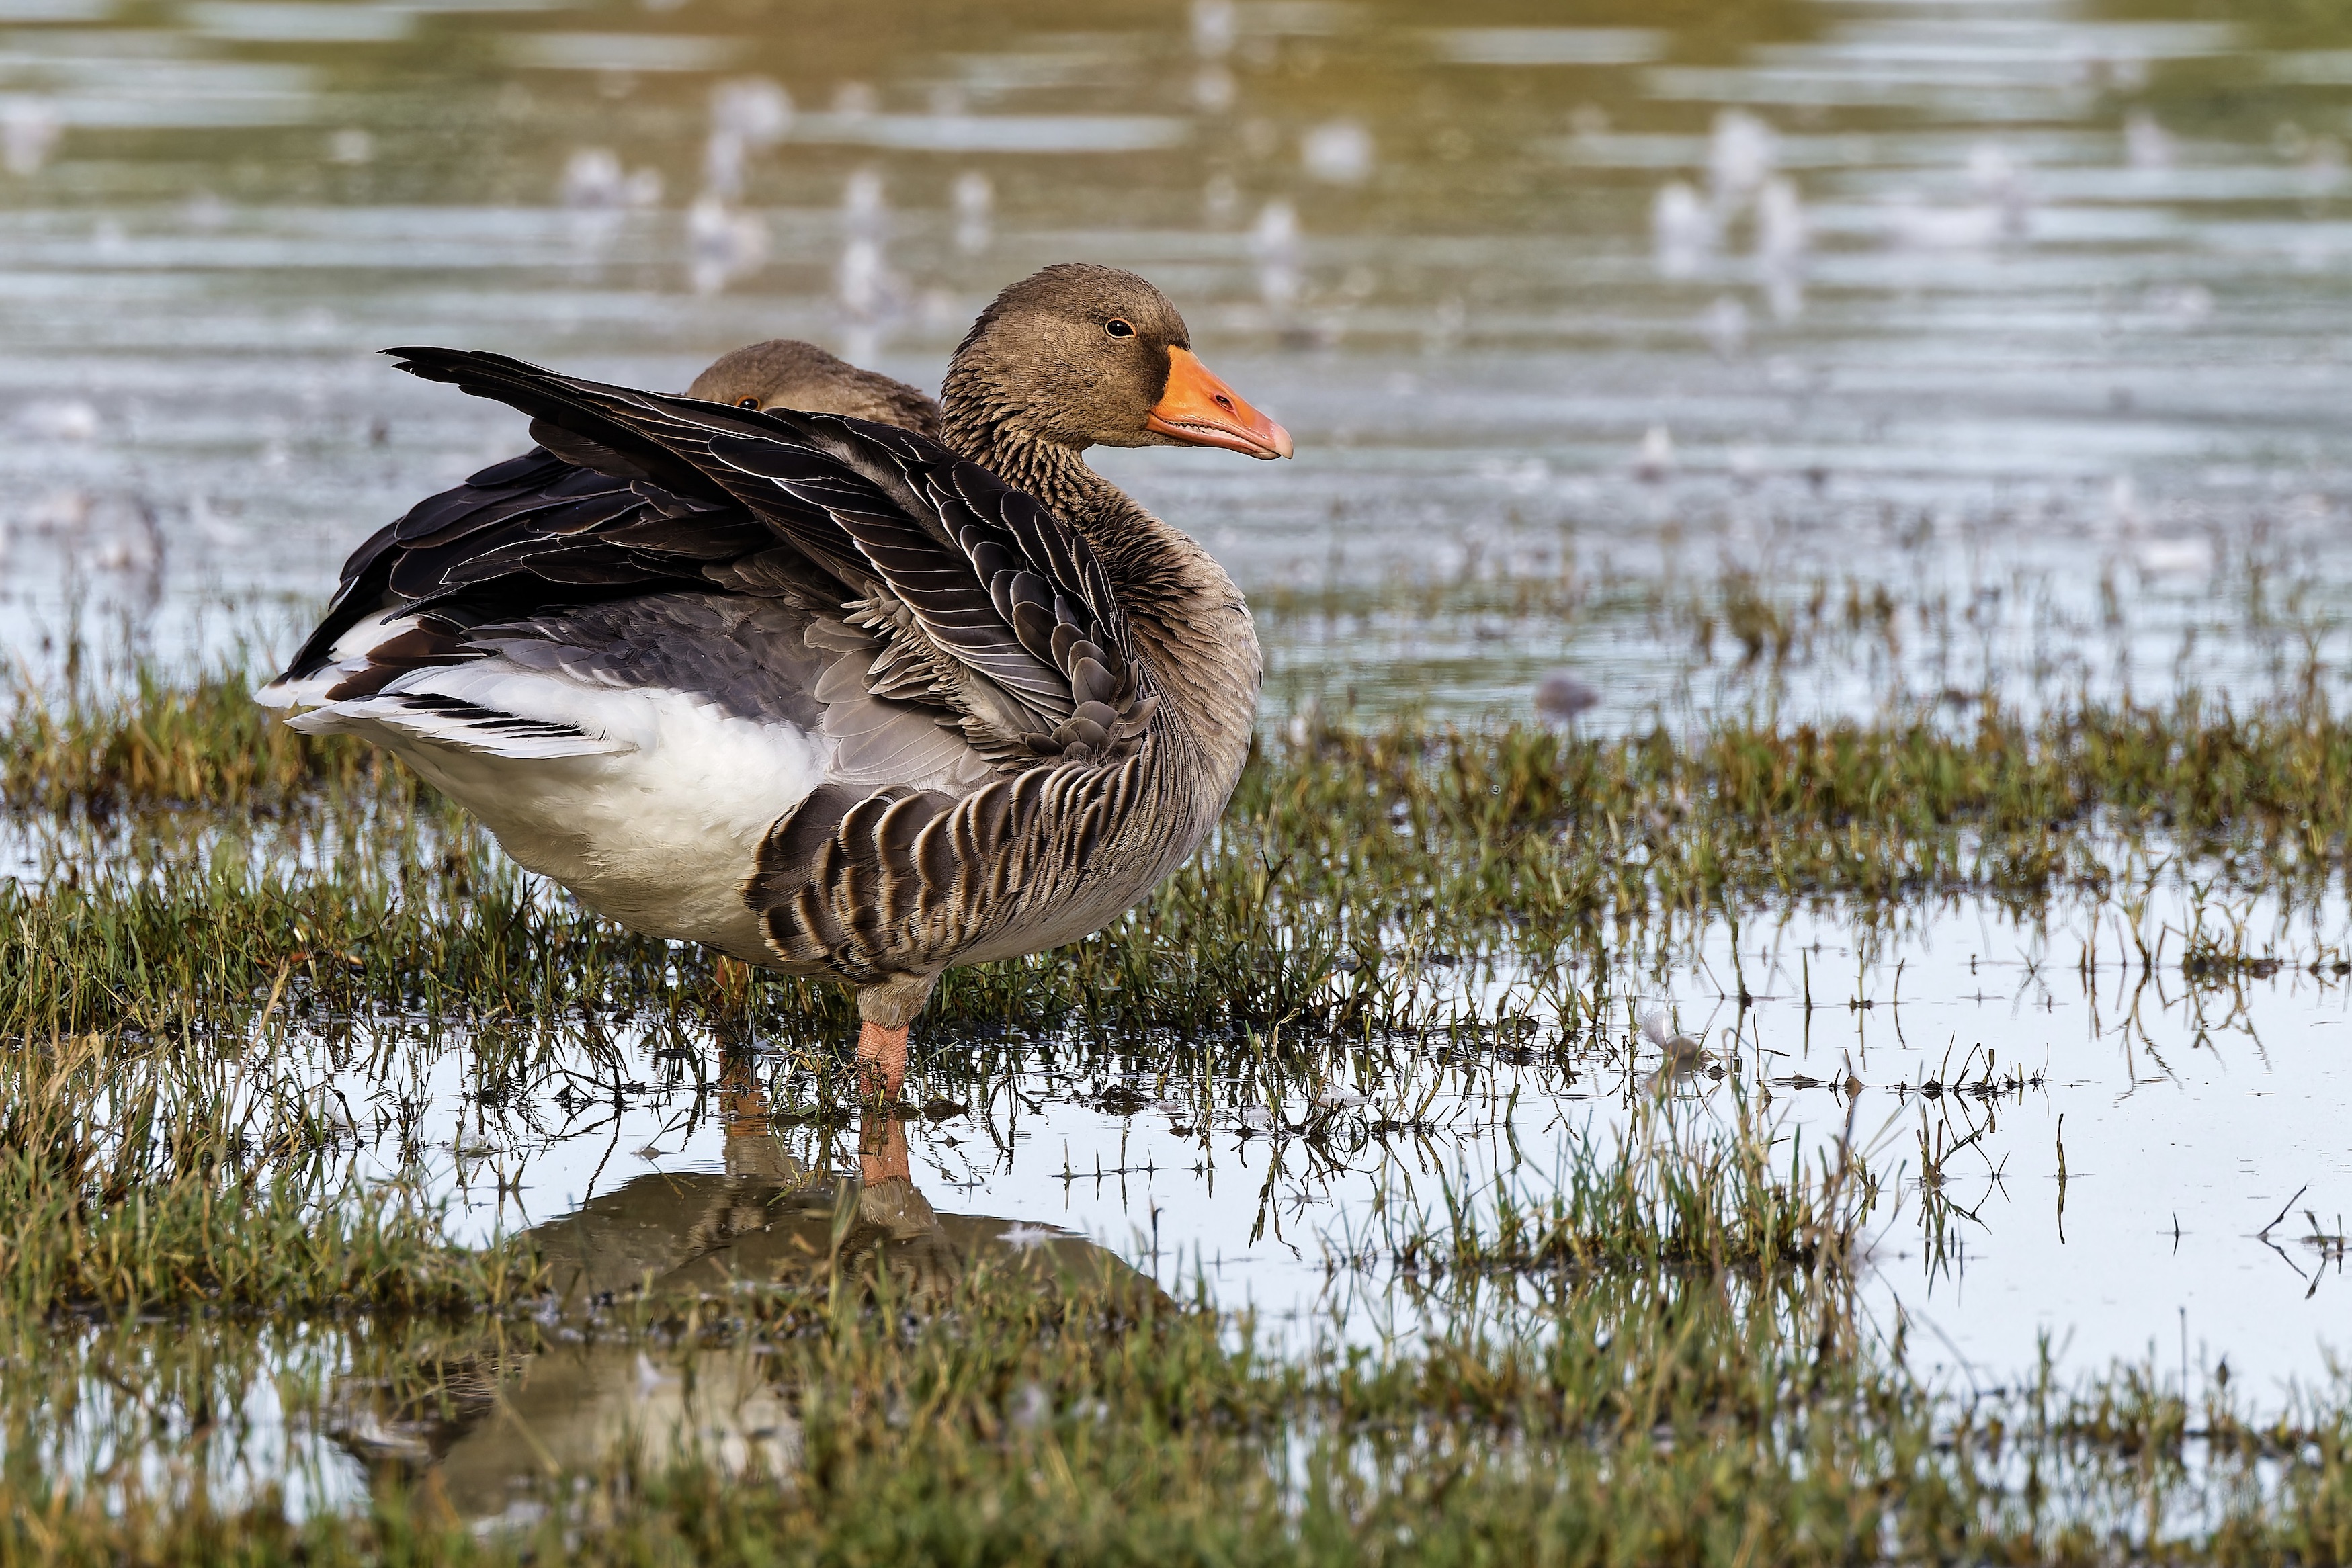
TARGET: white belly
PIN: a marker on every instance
(649, 803)
(661, 836)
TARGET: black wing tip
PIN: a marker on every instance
(410, 357)
(432, 364)
(456, 365)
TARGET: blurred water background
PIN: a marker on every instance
(1813, 350)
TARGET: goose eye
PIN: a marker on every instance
(747, 403)
(1119, 329)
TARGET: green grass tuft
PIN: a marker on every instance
(131, 1183)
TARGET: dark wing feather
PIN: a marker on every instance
(968, 582)
(535, 506)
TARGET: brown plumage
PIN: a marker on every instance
(785, 372)
(993, 700)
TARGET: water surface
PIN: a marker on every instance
(1817, 354)
(2035, 303)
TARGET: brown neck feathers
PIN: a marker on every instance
(1195, 629)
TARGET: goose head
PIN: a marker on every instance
(1079, 356)
(785, 372)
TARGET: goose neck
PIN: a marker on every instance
(1191, 622)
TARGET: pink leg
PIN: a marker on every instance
(881, 1062)
(881, 1134)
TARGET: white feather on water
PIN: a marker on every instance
(975, 200)
(1740, 156)
(1275, 244)
(72, 420)
(1682, 229)
(2147, 144)
(31, 130)
(1654, 460)
(722, 244)
(1337, 152)
(1672, 1043)
(1725, 326)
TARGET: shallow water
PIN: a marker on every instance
(2141, 1164)
(2000, 302)
(2209, 1103)
(2029, 313)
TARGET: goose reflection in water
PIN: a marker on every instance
(477, 1423)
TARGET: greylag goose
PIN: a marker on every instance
(785, 372)
(817, 692)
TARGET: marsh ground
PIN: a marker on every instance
(1939, 492)
(1493, 1093)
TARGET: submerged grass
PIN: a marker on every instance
(1666, 1196)
(1697, 1415)
(1679, 1372)
(135, 1182)
(1349, 863)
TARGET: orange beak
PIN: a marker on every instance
(1200, 408)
